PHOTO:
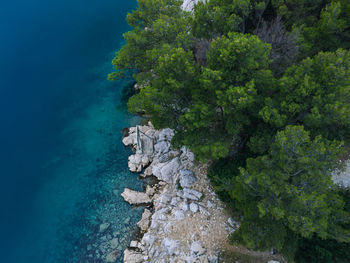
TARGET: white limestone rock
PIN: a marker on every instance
(167, 171)
(135, 197)
(165, 135)
(194, 207)
(184, 206)
(131, 256)
(197, 248)
(187, 178)
(179, 215)
(191, 194)
(143, 224)
(130, 140)
(170, 246)
(162, 147)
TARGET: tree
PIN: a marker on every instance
(226, 103)
(290, 189)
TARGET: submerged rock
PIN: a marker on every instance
(113, 256)
(135, 197)
(104, 227)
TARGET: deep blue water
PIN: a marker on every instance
(60, 142)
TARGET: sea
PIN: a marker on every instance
(62, 162)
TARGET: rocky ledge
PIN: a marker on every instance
(186, 221)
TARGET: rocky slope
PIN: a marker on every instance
(186, 222)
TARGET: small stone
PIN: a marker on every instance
(184, 206)
(193, 207)
(127, 220)
(273, 261)
(179, 215)
(104, 227)
(197, 248)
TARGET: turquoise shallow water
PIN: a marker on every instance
(63, 165)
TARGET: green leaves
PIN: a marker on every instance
(293, 182)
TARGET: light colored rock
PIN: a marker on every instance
(162, 147)
(130, 140)
(186, 154)
(194, 207)
(104, 227)
(149, 191)
(183, 206)
(187, 178)
(197, 248)
(135, 197)
(188, 5)
(179, 215)
(134, 244)
(167, 156)
(165, 135)
(114, 243)
(203, 211)
(131, 256)
(166, 171)
(170, 246)
(175, 201)
(210, 204)
(145, 220)
(232, 222)
(341, 177)
(113, 256)
(191, 194)
(159, 216)
(148, 240)
(273, 261)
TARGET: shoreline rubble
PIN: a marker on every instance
(187, 215)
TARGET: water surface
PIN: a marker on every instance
(60, 142)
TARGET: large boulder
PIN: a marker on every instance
(143, 224)
(130, 140)
(187, 178)
(131, 256)
(135, 197)
(165, 135)
(167, 171)
(162, 147)
(191, 194)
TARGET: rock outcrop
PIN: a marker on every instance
(187, 222)
(135, 198)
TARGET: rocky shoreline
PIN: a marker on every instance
(184, 221)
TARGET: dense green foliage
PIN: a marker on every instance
(262, 89)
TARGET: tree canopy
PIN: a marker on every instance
(262, 90)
